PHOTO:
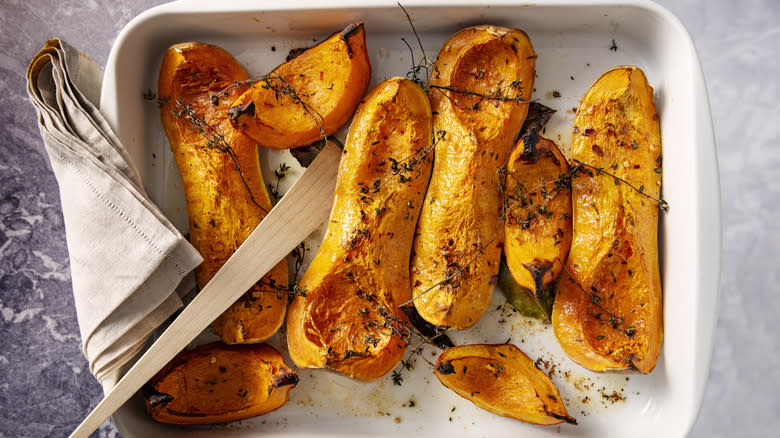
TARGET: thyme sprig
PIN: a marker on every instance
(215, 140)
(273, 189)
(425, 64)
(518, 194)
(662, 204)
(500, 94)
(281, 88)
(457, 272)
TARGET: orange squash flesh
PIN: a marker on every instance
(349, 319)
(608, 314)
(501, 379)
(538, 213)
(309, 96)
(459, 237)
(223, 184)
(218, 383)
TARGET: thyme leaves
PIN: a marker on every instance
(215, 140)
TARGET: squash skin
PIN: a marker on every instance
(223, 205)
(608, 314)
(349, 319)
(218, 383)
(538, 213)
(331, 78)
(501, 379)
(460, 233)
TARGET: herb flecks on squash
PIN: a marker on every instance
(223, 185)
(349, 319)
(608, 313)
(479, 90)
(501, 379)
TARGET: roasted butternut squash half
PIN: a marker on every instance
(309, 96)
(223, 184)
(501, 379)
(348, 317)
(218, 383)
(479, 91)
(538, 215)
(608, 313)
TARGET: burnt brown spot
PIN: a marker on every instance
(538, 269)
(348, 32)
(537, 118)
(445, 368)
(237, 111)
(294, 53)
(286, 379)
(530, 153)
(435, 335)
(155, 397)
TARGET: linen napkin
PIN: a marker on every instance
(126, 259)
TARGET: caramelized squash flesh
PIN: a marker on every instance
(349, 319)
(503, 380)
(308, 97)
(608, 314)
(479, 91)
(223, 184)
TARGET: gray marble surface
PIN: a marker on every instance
(46, 388)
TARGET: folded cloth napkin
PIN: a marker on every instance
(126, 259)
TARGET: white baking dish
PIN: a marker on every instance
(575, 41)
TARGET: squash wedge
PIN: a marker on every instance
(479, 90)
(538, 214)
(348, 317)
(308, 97)
(608, 313)
(217, 383)
(223, 184)
(501, 379)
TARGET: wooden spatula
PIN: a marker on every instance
(299, 212)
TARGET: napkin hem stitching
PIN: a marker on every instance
(120, 213)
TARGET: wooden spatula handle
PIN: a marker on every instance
(299, 212)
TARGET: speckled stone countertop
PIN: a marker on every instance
(45, 385)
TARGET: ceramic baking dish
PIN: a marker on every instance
(575, 41)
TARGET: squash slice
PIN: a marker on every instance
(501, 379)
(538, 216)
(217, 383)
(309, 96)
(347, 317)
(608, 313)
(223, 184)
(479, 90)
